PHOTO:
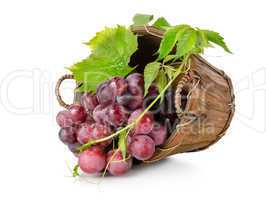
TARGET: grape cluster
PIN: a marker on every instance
(117, 103)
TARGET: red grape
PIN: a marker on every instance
(116, 165)
(68, 135)
(100, 114)
(92, 160)
(117, 115)
(88, 101)
(84, 133)
(119, 84)
(78, 113)
(142, 147)
(135, 83)
(91, 132)
(105, 93)
(64, 119)
(130, 101)
(158, 134)
(144, 125)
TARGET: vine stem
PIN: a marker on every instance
(129, 126)
(166, 66)
(87, 145)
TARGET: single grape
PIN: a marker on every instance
(158, 134)
(84, 133)
(68, 135)
(142, 147)
(91, 132)
(117, 115)
(89, 101)
(135, 83)
(130, 101)
(100, 114)
(64, 119)
(78, 113)
(105, 93)
(153, 90)
(92, 160)
(116, 165)
(74, 147)
(119, 84)
(144, 125)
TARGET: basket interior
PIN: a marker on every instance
(146, 53)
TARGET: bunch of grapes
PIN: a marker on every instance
(117, 103)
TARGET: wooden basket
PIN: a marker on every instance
(209, 106)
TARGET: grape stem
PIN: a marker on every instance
(131, 125)
(166, 66)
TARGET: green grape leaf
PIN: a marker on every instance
(142, 19)
(202, 40)
(111, 52)
(186, 43)
(92, 71)
(150, 73)
(122, 144)
(161, 23)
(201, 43)
(169, 40)
(161, 82)
(114, 44)
(216, 38)
(169, 58)
(170, 72)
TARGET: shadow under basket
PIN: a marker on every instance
(204, 99)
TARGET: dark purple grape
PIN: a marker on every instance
(144, 125)
(158, 134)
(116, 165)
(68, 135)
(92, 160)
(153, 91)
(64, 119)
(119, 84)
(105, 93)
(142, 147)
(78, 113)
(74, 147)
(89, 101)
(135, 84)
(130, 101)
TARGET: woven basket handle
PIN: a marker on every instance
(57, 90)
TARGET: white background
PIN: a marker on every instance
(39, 38)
